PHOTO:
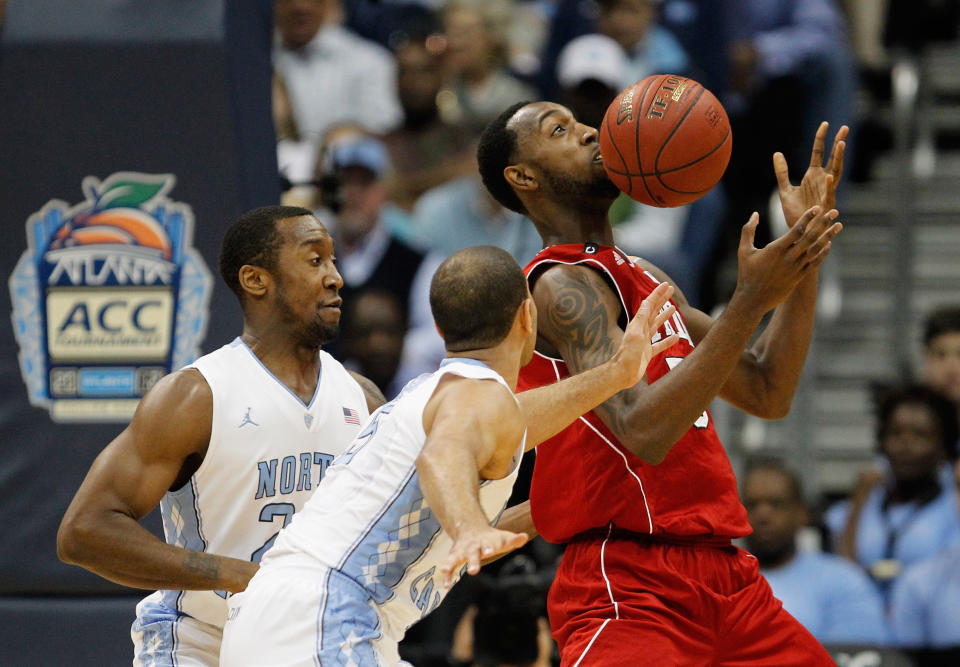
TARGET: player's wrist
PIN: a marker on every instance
(747, 305)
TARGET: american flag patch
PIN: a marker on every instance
(351, 416)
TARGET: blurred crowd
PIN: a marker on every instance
(378, 107)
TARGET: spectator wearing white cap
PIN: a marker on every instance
(591, 70)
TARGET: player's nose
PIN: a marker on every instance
(333, 279)
(588, 135)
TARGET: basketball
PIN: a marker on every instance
(665, 140)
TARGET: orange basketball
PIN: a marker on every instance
(665, 140)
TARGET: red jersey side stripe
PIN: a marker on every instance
(626, 465)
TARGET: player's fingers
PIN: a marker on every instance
(816, 155)
(829, 191)
(662, 345)
(649, 311)
(809, 227)
(662, 316)
(449, 566)
(836, 163)
(656, 300)
(792, 239)
(840, 138)
(473, 560)
(515, 541)
(819, 249)
(782, 171)
(816, 261)
(748, 232)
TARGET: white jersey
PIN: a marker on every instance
(268, 452)
(370, 521)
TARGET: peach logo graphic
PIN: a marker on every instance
(109, 297)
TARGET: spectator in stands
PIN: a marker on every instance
(829, 595)
(941, 352)
(898, 518)
(426, 150)
(480, 82)
(650, 48)
(371, 252)
(374, 326)
(592, 69)
(789, 67)
(331, 75)
(925, 603)
(462, 213)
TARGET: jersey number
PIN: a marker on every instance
(704, 419)
(268, 514)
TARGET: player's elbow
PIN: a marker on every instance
(73, 538)
(650, 456)
(779, 410)
(649, 448)
(770, 407)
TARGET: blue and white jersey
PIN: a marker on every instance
(370, 521)
(268, 452)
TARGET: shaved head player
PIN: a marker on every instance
(413, 498)
(640, 489)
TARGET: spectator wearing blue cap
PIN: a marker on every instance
(372, 252)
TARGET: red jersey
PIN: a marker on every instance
(584, 478)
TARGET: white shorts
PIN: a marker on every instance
(295, 617)
(163, 637)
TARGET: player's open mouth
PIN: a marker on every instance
(598, 158)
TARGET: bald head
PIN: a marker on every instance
(474, 297)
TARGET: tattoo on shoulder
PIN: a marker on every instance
(202, 564)
(579, 321)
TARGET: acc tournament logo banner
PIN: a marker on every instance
(108, 298)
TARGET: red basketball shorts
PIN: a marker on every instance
(619, 601)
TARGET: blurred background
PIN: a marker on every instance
(163, 121)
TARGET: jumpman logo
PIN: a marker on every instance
(247, 420)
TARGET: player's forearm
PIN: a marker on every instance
(649, 420)
(118, 548)
(516, 519)
(778, 356)
(449, 478)
(548, 410)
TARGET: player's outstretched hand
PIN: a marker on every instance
(636, 349)
(769, 274)
(819, 184)
(472, 547)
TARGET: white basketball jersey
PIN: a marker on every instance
(370, 521)
(268, 452)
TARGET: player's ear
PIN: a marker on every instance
(520, 177)
(526, 315)
(255, 280)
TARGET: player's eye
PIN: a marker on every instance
(557, 130)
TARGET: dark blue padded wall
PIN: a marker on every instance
(89, 88)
